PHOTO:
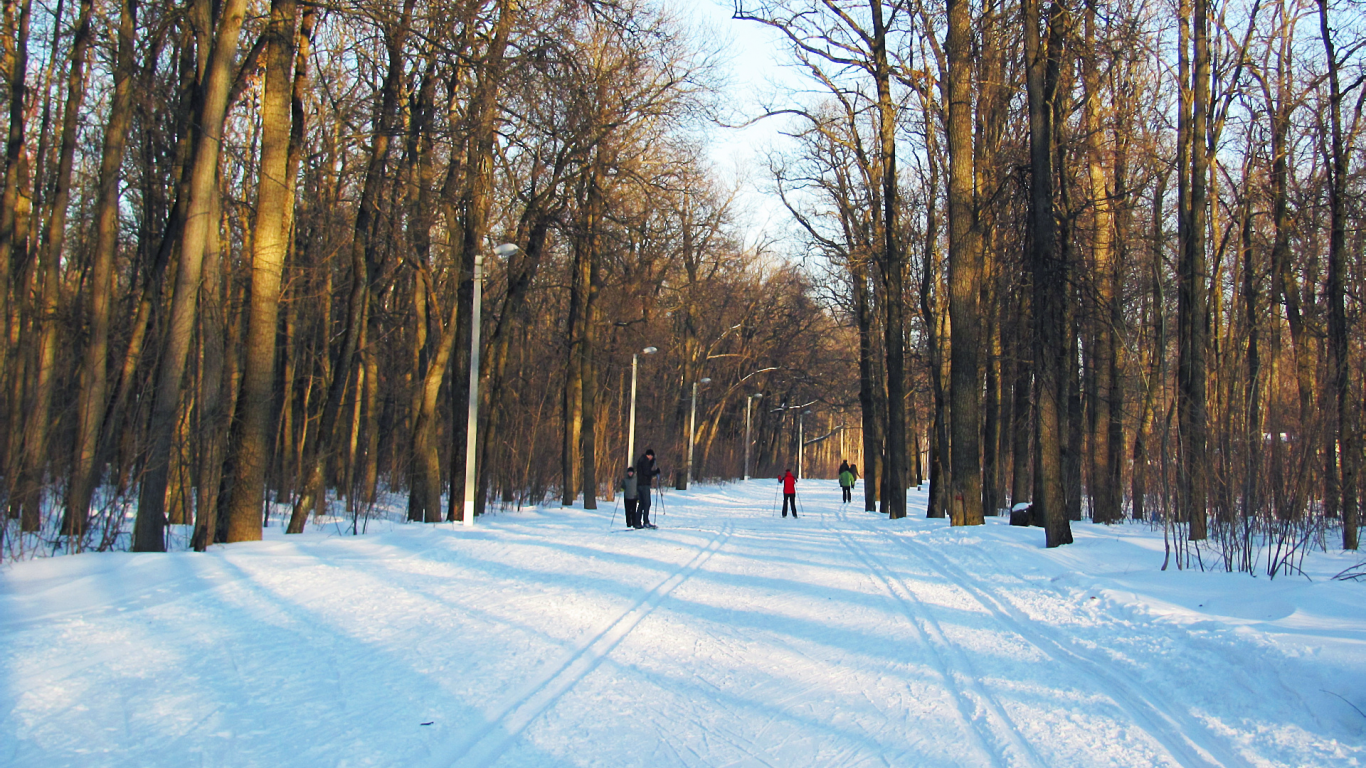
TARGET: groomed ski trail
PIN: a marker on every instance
(486, 743)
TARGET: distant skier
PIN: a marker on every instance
(630, 491)
(847, 481)
(789, 482)
(646, 471)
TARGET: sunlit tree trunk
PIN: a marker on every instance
(150, 523)
(10, 242)
(270, 244)
(91, 398)
(965, 277)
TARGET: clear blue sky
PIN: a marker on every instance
(753, 66)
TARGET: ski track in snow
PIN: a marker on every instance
(994, 733)
(1184, 739)
(489, 742)
(729, 637)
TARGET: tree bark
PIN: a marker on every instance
(1341, 454)
(91, 399)
(1049, 272)
(270, 244)
(893, 275)
(149, 526)
(1193, 305)
(965, 277)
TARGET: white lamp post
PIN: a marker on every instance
(692, 426)
(472, 425)
(631, 431)
(748, 401)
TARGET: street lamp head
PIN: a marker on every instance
(505, 250)
(649, 350)
(705, 381)
(757, 395)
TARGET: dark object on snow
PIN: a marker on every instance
(1022, 514)
(645, 472)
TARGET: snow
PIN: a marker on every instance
(729, 636)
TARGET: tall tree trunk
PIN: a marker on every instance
(1341, 436)
(965, 277)
(1049, 271)
(151, 520)
(589, 378)
(1021, 480)
(1193, 282)
(869, 406)
(938, 441)
(893, 274)
(1157, 367)
(1104, 485)
(36, 433)
(90, 402)
(576, 327)
(10, 215)
(214, 416)
(270, 244)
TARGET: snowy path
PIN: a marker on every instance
(729, 637)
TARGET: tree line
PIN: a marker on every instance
(1120, 242)
(1099, 257)
(238, 244)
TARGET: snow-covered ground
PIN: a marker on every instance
(727, 637)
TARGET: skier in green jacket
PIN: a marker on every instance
(846, 481)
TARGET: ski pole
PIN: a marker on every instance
(615, 504)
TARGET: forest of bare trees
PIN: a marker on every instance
(1132, 234)
(1104, 257)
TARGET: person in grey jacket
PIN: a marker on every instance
(630, 490)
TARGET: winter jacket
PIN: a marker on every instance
(789, 483)
(630, 488)
(646, 470)
(846, 479)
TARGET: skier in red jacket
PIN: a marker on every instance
(789, 482)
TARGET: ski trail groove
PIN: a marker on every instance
(956, 676)
(489, 741)
(1186, 740)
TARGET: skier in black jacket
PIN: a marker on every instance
(646, 471)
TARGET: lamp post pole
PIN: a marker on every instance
(692, 427)
(631, 430)
(801, 442)
(472, 423)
